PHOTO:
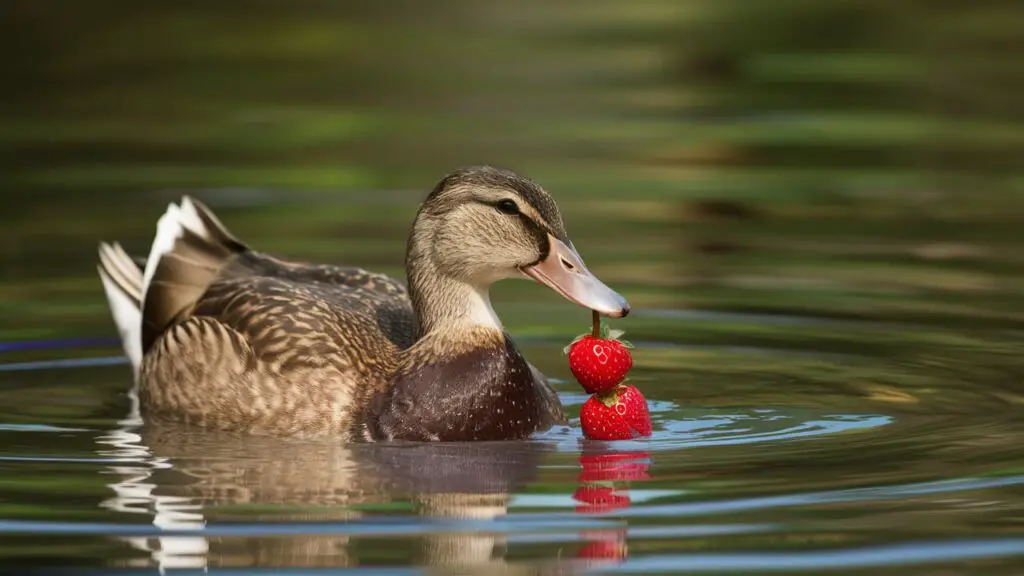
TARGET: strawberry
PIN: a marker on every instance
(599, 360)
(638, 415)
(619, 414)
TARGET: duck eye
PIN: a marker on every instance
(508, 207)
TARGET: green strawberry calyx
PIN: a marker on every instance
(611, 397)
(601, 331)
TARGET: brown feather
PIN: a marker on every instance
(220, 235)
(182, 276)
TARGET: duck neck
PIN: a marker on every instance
(444, 304)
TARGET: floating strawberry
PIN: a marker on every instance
(619, 414)
(599, 360)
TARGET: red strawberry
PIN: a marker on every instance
(599, 360)
(638, 415)
(616, 415)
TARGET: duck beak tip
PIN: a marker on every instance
(564, 272)
(621, 313)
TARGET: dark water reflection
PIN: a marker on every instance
(814, 208)
(301, 504)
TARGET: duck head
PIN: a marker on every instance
(483, 224)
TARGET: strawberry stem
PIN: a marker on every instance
(597, 324)
(610, 397)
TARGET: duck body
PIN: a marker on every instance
(225, 337)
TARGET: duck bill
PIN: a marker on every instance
(564, 272)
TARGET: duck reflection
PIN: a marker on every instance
(185, 479)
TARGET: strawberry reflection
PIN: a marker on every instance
(603, 547)
(614, 466)
(604, 480)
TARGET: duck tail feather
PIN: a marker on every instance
(190, 249)
(122, 284)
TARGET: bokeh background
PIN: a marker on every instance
(790, 155)
(810, 204)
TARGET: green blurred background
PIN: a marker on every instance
(708, 153)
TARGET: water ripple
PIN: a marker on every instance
(64, 363)
(380, 526)
(874, 493)
(931, 552)
(677, 428)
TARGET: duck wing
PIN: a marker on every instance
(273, 355)
(225, 337)
(198, 268)
(251, 263)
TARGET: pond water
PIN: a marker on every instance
(827, 318)
(781, 444)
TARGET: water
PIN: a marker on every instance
(819, 234)
(784, 463)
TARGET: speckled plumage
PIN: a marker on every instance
(234, 339)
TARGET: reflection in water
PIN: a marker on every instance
(185, 479)
(209, 500)
(604, 480)
(135, 494)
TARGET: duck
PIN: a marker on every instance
(224, 337)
